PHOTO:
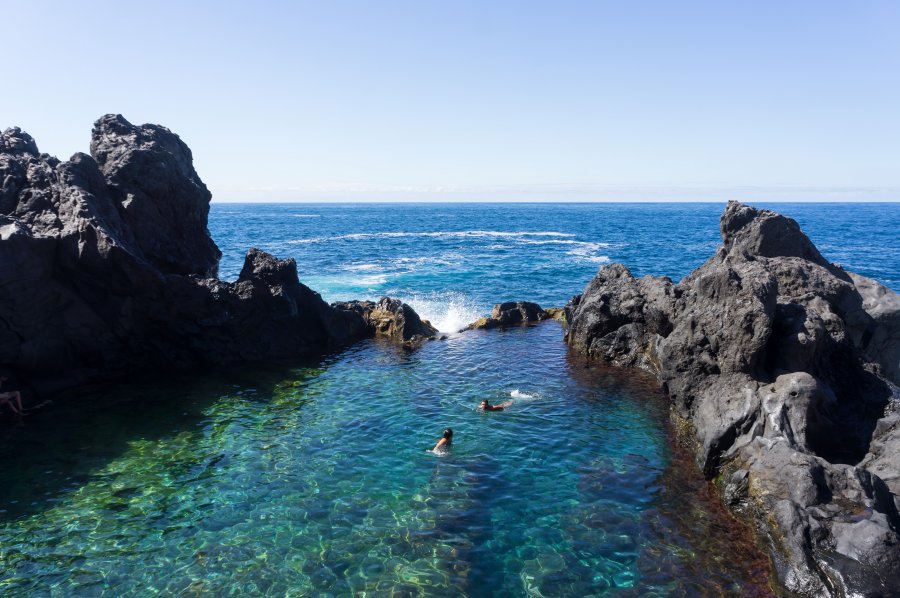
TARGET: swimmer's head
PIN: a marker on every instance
(485, 404)
(448, 434)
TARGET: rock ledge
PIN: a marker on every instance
(783, 366)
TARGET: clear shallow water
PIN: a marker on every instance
(312, 479)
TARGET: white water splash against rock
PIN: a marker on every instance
(448, 312)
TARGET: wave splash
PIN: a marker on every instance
(449, 312)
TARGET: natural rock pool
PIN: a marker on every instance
(314, 480)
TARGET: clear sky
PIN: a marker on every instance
(456, 100)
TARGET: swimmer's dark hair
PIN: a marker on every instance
(448, 433)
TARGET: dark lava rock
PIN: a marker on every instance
(391, 318)
(511, 313)
(783, 367)
(150, 175)
(107, 268)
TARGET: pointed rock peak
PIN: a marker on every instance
(150, 174)
(113, 123)
(748, 232)
(269, 269)
(16, 141)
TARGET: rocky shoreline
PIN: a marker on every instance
(781, 367)
(782, 370)
(107, 269)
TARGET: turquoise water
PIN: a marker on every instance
(315, 480)
(311, 477)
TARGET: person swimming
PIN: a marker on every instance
(444, 443)
(486, 406)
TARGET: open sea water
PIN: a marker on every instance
(311, 478)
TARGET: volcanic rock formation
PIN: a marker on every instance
(107, 268)
(391, 318)
(782, 368)
(511, 313)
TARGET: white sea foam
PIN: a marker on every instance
(306, 215)
(372, 281)
(517, 394)
(448, 312)
(463, 234)
(412, 264)
(592, 244)
(362, 267)
(587, 252)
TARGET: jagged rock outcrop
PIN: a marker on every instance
(511, 313)
(391, 318)
(783, 368)
(107, 268)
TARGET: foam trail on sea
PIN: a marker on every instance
(517, 394)
(448, 312)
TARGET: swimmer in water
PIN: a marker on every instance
(485, 406)
(444, 443)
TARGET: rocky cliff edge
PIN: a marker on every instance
(107, 268)
(781, 368)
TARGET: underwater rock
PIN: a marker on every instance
(107, 268)
(511, 313)
(783, 366)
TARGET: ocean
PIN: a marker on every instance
(311, 477)
(453, 262)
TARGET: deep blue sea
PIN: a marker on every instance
(311, 478)
(454, 261)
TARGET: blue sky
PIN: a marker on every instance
(454, 101)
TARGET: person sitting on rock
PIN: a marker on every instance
(11, 398)
(444, 443)
(486, 406)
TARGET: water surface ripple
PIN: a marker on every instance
(311, 478)
(315, 480)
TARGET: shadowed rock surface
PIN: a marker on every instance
(782, 367)
(107, 268)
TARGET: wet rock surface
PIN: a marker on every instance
(390, 318)
(107, 268)
(783, 367)
(511, 313)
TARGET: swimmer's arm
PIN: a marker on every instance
(440, 443)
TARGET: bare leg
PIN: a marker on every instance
(6, 399)
(18, 397)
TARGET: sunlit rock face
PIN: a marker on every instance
(784, 368)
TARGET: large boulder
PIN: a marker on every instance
(107, 268)
(150, 175)
(390, 318)
(783, 368)
(511, 313)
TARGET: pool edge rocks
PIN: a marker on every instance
(781, 365)
(107, 268)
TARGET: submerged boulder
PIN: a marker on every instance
(107, 268)
(783, 366)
